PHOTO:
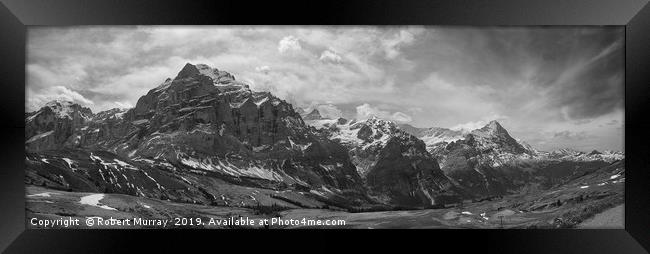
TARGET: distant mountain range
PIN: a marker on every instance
(482, 162)
(203, 137)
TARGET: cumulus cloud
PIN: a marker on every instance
(264, 69)
(392, 45)
(569, 135)
(401, 117)
(289, 43)
(40, 98)
(365, 111)
(469, 126)
(473, 125)
(123, 105)
(329, 56)
(330, 111)
(415, 110)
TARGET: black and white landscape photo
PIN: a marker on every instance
(358, 127)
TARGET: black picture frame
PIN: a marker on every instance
(634, 15)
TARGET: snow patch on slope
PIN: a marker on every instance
(93, 200)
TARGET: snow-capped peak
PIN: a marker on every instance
(434, 136)
(573, 155)
(66, 109)
(206, 70)
(493, 128)
(385, 125)
(566, 151)
(367, 132)
(59, 104)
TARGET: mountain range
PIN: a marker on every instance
(204, 137)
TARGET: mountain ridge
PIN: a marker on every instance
(203, 121)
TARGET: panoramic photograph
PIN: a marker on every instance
(319, 127)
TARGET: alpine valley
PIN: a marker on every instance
(204, 145)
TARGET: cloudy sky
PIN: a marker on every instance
(552, 87)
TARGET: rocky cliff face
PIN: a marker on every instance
(394, 164)
(494, 138)
(205, 120)
(468, 158)
(52, 126)
(405, 173)
(488, 161)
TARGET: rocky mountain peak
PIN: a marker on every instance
(566, 151)
(218, 77)
(66, 109)
(493, 128)
(51, 126)
(213, 73)
(494, 124)
(58, 103)
(187, 71)
(386, 125)
(496, 138)
(313, 115)
(594, 152)
(395, 164)
(568, 154)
